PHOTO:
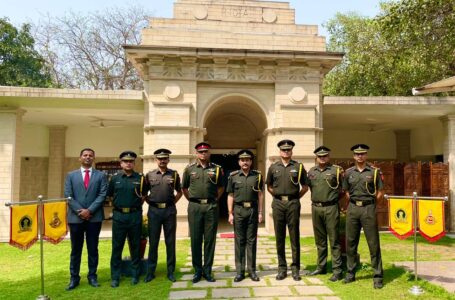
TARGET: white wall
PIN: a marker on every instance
(35, 140)
(106, 142)
(428, 140)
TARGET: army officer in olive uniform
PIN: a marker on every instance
(245, 202)
(162, 212)
(325, 182)
(128, 189)
(363, 186)
(202, 185)
(286, 181)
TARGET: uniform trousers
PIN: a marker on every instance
(165, 218)
(126, 226)
(326, 222)
(287, 213)
(356, 218)
(203, 223)
(245, 230)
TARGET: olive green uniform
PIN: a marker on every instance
(245, 189)
(286, 181)
(325, 185)
(126, 219)
(362, 187)
(202, 184)
(162, 213)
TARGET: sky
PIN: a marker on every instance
(309, 12)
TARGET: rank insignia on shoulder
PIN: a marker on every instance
(234, 173)
(257, 171)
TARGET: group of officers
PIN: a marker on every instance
(203, 185)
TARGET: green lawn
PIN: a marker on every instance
(397, 281)
(20, 272)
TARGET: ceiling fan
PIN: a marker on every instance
(104, 123)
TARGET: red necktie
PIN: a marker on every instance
(86, 178)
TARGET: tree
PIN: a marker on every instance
(409, 44)
(85, 51)
(20, 63)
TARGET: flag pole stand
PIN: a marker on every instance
(40, 232)
(415, 289)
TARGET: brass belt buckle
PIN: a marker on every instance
(318, 204)
(125, 210)
(161, 205)
(203, 201)
(359, 203)
(247, 204)
(285, 198)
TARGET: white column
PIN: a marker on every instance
(403, 145)
(10, 164)
(57, 140)
(449, 157)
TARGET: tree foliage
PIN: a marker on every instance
(409, 44)
(20, 64)
(85, 51)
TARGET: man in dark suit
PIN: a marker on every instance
(87, 187)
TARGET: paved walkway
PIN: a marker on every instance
(440, 273)
(268, 288)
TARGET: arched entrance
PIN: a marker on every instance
(234, 122)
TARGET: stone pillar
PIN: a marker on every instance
(403, 145)
(10, 137)
(57, 139)
(448, 123)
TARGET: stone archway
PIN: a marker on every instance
(234, 122)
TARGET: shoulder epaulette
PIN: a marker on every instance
(190, 165)
(234, 173)
(257, 171)
(140, 174)
(114, 174)
(216, 165)
(350, 169)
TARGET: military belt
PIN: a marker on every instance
(246, 204)
(126, 210)
(202, 200)
(161, 204)
(286, 198)
(362, 203)
(324, 204)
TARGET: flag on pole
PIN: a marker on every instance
(55, 224)
(431, 219)
(401, 219)
(24, 226)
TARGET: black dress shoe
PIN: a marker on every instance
(208, 277)
(281, 275)
(149, 277)
(296, 276)
(197, 277)
(318, 272)
(239, 277)
(114, 283)
(93, 282)
(171, 277)
(254, 276)
(349, 279)
(378, 285)
(336, 277)
(134, 280)
(72, 285)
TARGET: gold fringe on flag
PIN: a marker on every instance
(55, 221)
(23, 226)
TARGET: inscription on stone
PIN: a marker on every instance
(234, 11)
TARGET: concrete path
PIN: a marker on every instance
(440, 273)
(268, 288)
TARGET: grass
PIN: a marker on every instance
(397, 281)
(20, 272)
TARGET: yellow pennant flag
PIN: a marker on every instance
(401, 219)
(54, 219)
(24, 226)
(431, 219)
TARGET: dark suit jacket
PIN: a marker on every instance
(91, 198)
